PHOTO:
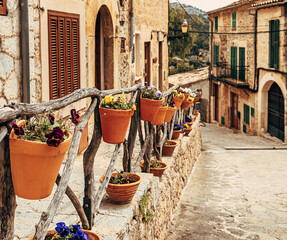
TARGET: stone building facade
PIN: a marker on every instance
(81, 43)
(249, 67)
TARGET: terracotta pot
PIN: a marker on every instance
(35, 166)
(196, 99)
(187, 131)
(169, 114)
(123, 193)
(186, 105)
(168, 150)
(186, 95)
(189, 124)
(115, 124)
(156, 171)
(178, 101)
(160, 116)
(176, 134)
(149, 109)
(195, 113)
(92, 235)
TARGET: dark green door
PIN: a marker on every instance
(242, 64)
(234, 62)
(276, 112)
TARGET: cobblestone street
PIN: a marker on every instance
(234, 194)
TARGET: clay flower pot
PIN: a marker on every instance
(169, 114)
(187, 131)
(176, 134)
(160, 116)
(186, 105)
(168, 149)
(92, 235)
(149, 109)
(115, 124)
(186, 95)
(123, 193)
(178, 101)
(35, 166)
(189, 124)
(156, 171)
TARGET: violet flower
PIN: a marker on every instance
(62, 229)
(55, 137)
(75, 116)
(159, 94)
(80, 235)
(18, 130)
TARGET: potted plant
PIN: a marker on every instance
(178, 98)
(189, 120)
(177, 129)
(150, 102)
(186, 129)
(170, 111)
(160, 114)
(196, 111)
(115, 114)
(157, 167)
(186, 92)
(198, 95)
(168, 147)
(186, 105)
(37, 149)
(72, 232)
(122, 186)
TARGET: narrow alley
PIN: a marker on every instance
(234, 194)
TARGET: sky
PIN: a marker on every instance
(206, 5)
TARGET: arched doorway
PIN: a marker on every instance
(104, 62)
(276, 112)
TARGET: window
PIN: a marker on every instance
(234, 20)
(234, 62)
(64, 53)
(252, 112)
(216, 23)
(274, 44)
(123, 45)
(216, 55)
(246, 114)
(3, 7)
(242, 64)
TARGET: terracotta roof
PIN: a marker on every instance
(234, 4)
(266, 2)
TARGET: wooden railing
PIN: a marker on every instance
(149, 138)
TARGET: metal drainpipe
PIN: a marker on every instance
(210, 69)
(132, 26)
(24, 28)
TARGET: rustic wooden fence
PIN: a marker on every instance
(149, 138)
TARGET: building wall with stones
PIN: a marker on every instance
(254, 95)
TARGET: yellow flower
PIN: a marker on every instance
(174, 91)
(108, 98)
(123, 96)
(134, 107)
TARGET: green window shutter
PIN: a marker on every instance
(216, 23)
(234, 62)
(252, 112)
(270, 44)
(242, 64)
(246, 114)
(276, 44)
(216, 55)
(234, 20)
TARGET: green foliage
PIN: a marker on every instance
(121, 178)
(145, 212)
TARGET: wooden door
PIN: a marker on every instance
(98, 81)
(234, 110)
(216, 102)
(147, 63)
(160, 80)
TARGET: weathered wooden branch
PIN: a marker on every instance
(7, 195)
(125, 156)
(75, 201)
(88, 165)
(141, 154)
(163, 139)
(3, 132)
(169, 91)
(25, 109)
(47, 216)
(147, 158)
(104, 185)
(154, 143)
(172, 125)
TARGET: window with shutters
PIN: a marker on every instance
(3, 7)
(216, 23)
(274, 44)
(246, 114)
(234, 62)
(64, 53)
(234, 20)
(216, 55)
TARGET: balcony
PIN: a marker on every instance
(236, 76)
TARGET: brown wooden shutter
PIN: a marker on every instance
(3, 7)
(64, 53)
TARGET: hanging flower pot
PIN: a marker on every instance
(169, 114)
(186, 129)
(123, 192)
(35, 165)
(157, 168)
(176, 134)
(186, 95)
(115, 115)
(178, 101)
(149, 109)
(186, 105)
(160, 116)
(169, 147)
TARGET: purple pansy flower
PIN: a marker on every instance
(159, 94)
(62, 229)
(150, 88)
(18, 130)
(80, 235)
(75, 228)
(55, 137)
(75, 116)
(142, 86)
(51, 119)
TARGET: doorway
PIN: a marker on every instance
(147, 63)
(234, 110)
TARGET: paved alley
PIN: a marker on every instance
(234, 194)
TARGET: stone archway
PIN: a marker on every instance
(104, 50)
